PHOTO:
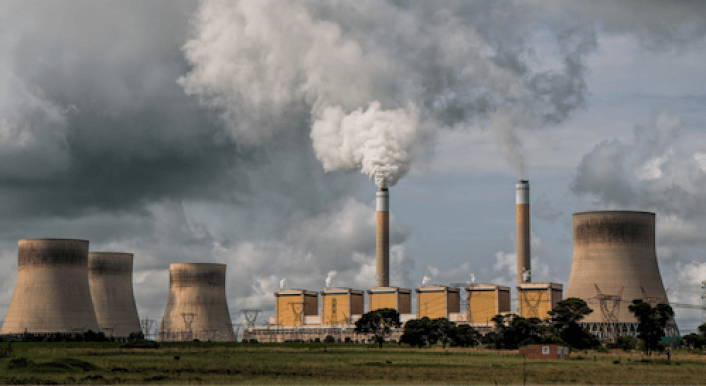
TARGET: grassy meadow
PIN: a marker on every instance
(318, 363)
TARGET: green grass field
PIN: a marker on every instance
(304, 363)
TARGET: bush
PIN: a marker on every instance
(317, 340)
(329, 339)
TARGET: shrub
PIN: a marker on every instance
(329, 339)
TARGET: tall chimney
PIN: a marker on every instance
(383, 238)
(523, 231)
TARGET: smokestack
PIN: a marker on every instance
(523, 232)
(383, 238)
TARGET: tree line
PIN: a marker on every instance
(513, 331)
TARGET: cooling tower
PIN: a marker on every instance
(51, 291)
(197, 307)
(614, 263)
(523, 231)
(110, 282)
(383, 238)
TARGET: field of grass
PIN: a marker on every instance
(312, 363)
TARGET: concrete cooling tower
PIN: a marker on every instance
(110, 282)
(197, 307)
(614, 263)
(51, 291)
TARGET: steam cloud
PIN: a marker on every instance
(375, 95)
(329, 278)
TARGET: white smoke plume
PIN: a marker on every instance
(282, 283)
(376, 141)
(329, 278)
(378, 78)
(426, 280)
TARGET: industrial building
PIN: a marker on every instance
(437, 301)
(110, 283)
(51, 292)
(484, 301)
(296, 307)
(197, 306)
(399, 299)
(615, 262)
(341, 305)
(535, 300)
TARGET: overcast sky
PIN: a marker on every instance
(247, 133)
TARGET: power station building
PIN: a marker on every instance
(535, 300)
(339, 306)
(110, 282)
(615, 262)
(197, 306)
(399, 299)
(484, 301)
(436, 301)
(51, 292)
(295, 307)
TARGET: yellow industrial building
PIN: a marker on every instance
(338, 305)
(535, 300)
(436, 301)
(293, 306)
(396, 298)
(484, 301)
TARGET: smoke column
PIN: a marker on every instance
(329, 278)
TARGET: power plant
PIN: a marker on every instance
(51, 292)
(110, 282)
(614, 263)
(60, 287)
(197, 306)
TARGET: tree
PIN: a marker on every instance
(417, 332)
(442, 330)
(652, 321)
(565, 318)
(379, 323)
(465, 336)
(519, 331)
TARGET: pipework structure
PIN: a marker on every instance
(523, 232)
(110, 282)
(51, 292)
(382, 245)
(614, 262)
(197, 306)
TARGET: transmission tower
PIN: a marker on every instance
(532, 303)
(609, 315)
(146, 325)
(250, 316)
(703, 302)
(333, 312)
(188, 319)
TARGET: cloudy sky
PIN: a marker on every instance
(253, 133)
